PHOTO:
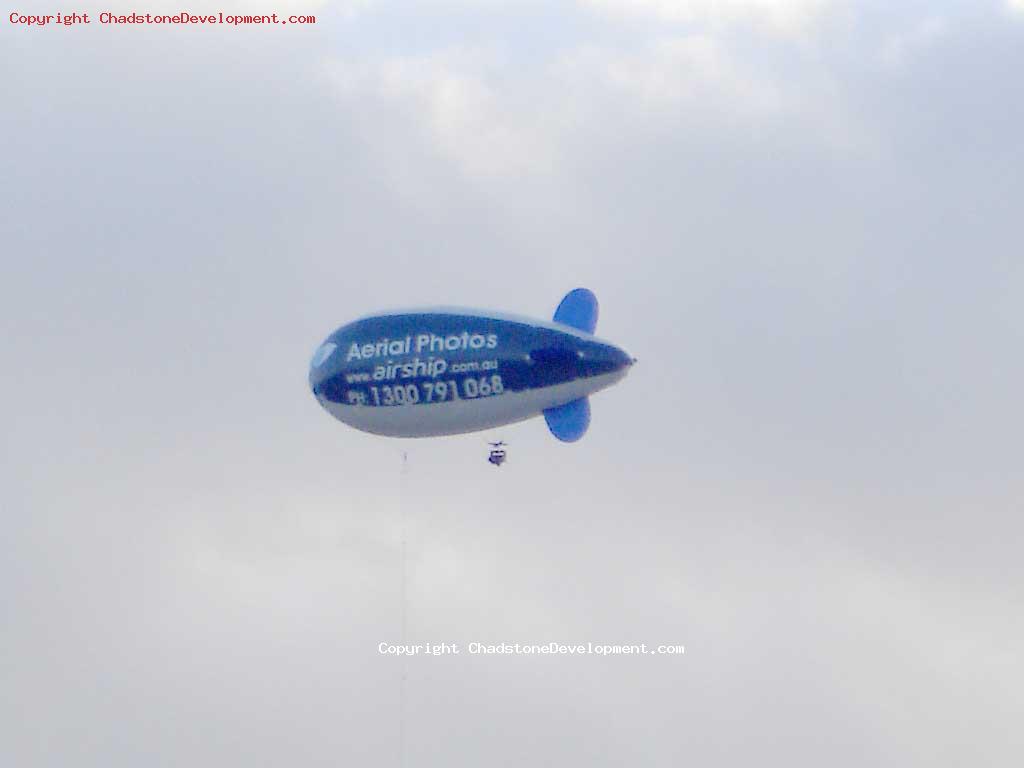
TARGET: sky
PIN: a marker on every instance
(803, 218)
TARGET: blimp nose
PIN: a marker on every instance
(617, 359)
(606, 358)
(625, 360)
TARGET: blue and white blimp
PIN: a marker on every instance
(443, 371)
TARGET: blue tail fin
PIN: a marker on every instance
(570, 421)
(578, 309)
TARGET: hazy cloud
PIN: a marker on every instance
(789, 17)
(801, 218)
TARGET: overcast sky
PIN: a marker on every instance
(802, 217)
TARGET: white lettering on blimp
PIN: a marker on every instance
(425, 342)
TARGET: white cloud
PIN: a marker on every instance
(901, 47)
(449, 99)
(481, 117)
(789, 17)
(694, 69)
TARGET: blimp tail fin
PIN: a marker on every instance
(578, 309)
(570, 421)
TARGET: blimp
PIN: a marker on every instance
(445, 371)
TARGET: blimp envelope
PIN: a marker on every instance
(442, 371)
